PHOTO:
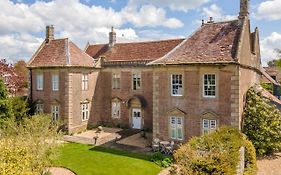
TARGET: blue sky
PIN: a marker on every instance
(22, 22)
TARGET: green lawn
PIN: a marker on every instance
(89, 160)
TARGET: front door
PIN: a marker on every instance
(136, 118)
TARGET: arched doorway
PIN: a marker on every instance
(136, 105)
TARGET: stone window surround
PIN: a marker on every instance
(39, 108)
(55, 111)
(203, 85)
(138, 79)
(116, 80)
(85, 81)
(55, 82)
(85, 111)
(177, 126)
(175, 112)
(119, 102)
(39, 81)
(210, 116)
(171, 84)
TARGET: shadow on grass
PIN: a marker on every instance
(121, 153)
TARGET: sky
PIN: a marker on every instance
(23, 22)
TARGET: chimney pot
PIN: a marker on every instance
(112, 37)
(50, 33)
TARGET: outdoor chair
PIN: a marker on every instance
(155, 145)
(170, 148)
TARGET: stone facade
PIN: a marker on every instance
(225, 50)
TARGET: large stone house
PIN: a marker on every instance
(176, 88)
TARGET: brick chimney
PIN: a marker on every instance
(112, 37)
(244, 9)
(50, 33)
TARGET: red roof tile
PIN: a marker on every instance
(60, 52)
(137, 51)
(212, 43)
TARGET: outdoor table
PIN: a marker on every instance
(163, 145)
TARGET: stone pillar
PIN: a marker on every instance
(155, 105)
(234, 99)
(69, 102)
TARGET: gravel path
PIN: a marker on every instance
(60, 171)
(270, 165)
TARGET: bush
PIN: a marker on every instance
(20, 107)
(27, 147)
(161, 160)
(262, 123)
(216, 153)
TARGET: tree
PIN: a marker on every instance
(276, 62)
(5, 104)
(262, 123)
(20, 107)
(21, 69)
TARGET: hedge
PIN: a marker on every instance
(215, 153)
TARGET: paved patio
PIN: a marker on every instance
(128, 139)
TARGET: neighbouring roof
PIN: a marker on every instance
(212, 43)
(60, 52)
(271, 97)
(137, 51)
(266, 78)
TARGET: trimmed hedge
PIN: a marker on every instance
(215, 153)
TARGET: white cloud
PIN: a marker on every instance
(18, 46)
(217, 13)
(73, 19)
(149, 15)
(176, 5)
(268, 46)
(269, 10)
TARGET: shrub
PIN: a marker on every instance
(161, 160)
(262, 123)
(215, 153)
(27, 147)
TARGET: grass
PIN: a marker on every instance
(89, 160)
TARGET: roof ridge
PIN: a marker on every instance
(221, 22)
(139, 42)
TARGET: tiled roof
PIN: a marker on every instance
(266, 78)
(137, 51)
(60, 52)
(212, 43)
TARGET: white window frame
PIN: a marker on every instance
(136, 81)
(177, 92)
(176, 127)
(55, 111)
(39, 108)
(208, 126)
(208, 85)
(85, 111)
(116, 81)
(39, 81)
(85, 82)
(55, 82)
(115, 109)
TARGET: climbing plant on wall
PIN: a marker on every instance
(262, 123)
